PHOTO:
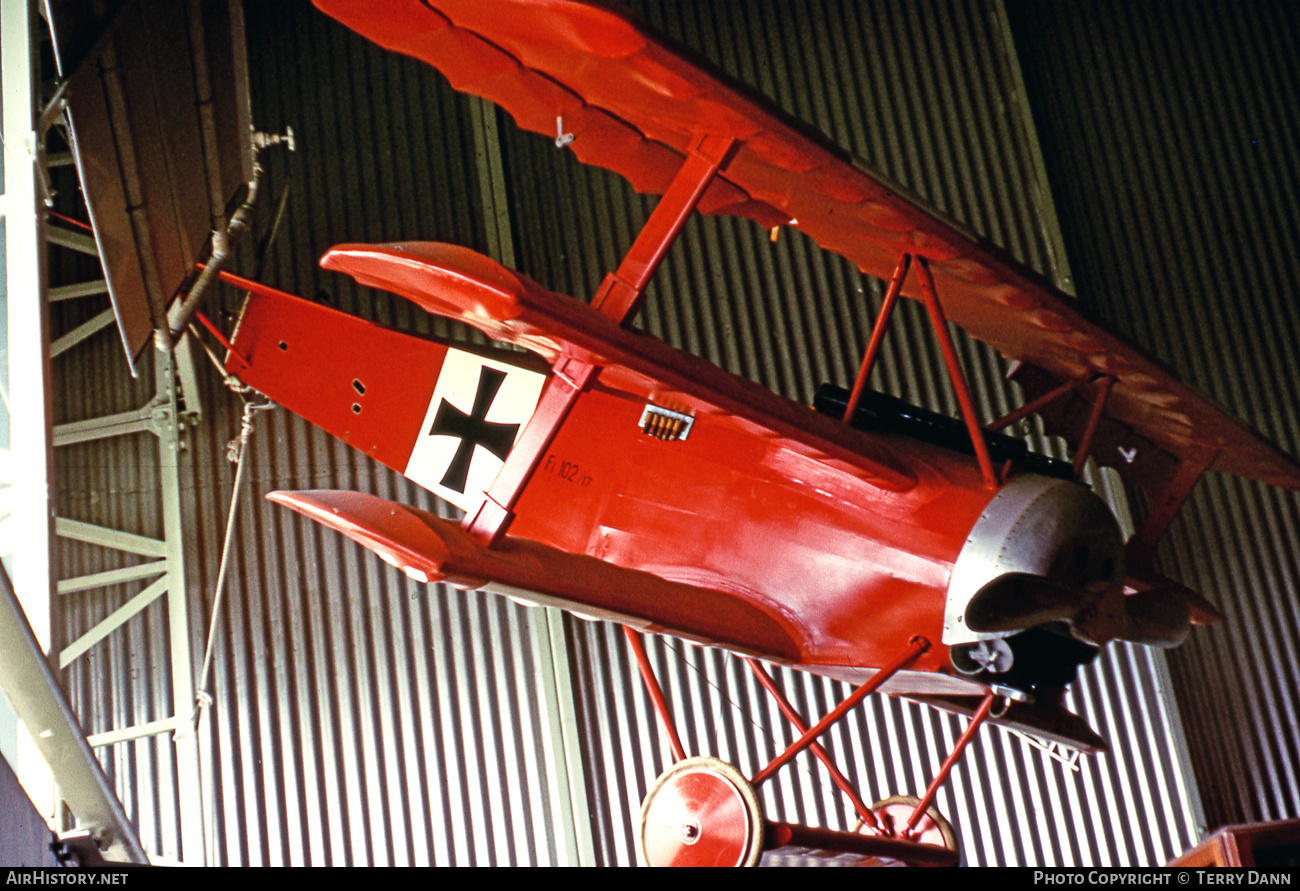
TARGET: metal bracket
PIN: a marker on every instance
(79, 848)
(263, 140)
(561, 138)
(665, 423)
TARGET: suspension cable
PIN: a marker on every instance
(235, 453)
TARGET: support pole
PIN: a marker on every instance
(1034, 405)
(195, 839)
(933, 789)
(619, 298)
(878, 334)
(25, 393)
(915, 647)
(1089, 432)
(949, 351)
(567, 383)
(1141, 548)
(823, 756)
(622, 292)
(32, 687)
(656, 693)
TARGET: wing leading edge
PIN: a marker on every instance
(633, 105)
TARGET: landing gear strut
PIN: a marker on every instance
(705, 812)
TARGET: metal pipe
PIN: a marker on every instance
(221, 339)
(822, 755)
(933, 789)
(1094, 420)
(223, 241)
(1034, 405)
(878, 334)
(940, 324)
(915, 647)
(656, 692)
(34, 692)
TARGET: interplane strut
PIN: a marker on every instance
(619, 298)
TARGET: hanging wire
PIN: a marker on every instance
(232, 382)
(726, 698)
(236, 451)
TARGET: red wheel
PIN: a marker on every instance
(932, 829)
(701, 812)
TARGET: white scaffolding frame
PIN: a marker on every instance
(31, 525)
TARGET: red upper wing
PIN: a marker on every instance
(633, 105)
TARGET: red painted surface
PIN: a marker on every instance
(506, 306)
(635, 106)
(770, 529)
(858, 570)
(432, 549)
(850, 555)
(375, 401)
(698, 818)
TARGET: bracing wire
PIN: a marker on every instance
(236, 451)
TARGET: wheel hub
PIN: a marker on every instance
(931, 829)
(701, 812)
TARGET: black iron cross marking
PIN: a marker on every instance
(472, 429)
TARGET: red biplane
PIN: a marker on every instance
(616, 477)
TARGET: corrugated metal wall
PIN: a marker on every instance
(1171, 133)
(358, 718)
(361, 718)
(923, 92)
(365, 719)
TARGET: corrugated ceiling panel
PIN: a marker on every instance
(1170, 133)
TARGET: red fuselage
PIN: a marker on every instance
(856, 568)
(782, 524)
